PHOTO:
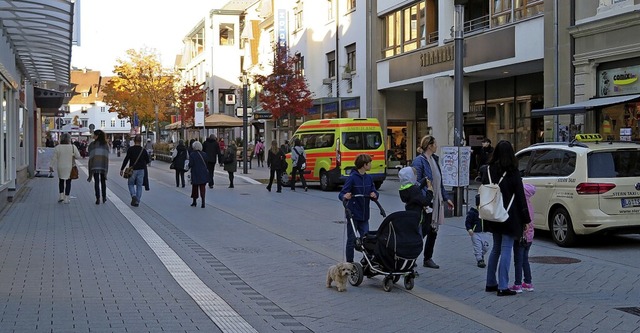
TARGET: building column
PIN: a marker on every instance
(439, 93)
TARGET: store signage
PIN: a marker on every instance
(619, 81)
(199, 114)
(437, 55)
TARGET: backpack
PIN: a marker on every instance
(491, 204)
(302, 161)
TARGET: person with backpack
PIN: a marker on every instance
(276, 160)
(299, 162)
(503, 170)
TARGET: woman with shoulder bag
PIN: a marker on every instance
(230, 161)
(178, 162)
(99, 164)
(64, 156)
(275, 160)
(503, 163)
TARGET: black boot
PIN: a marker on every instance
(193, 204)
(202, 205)
(97, 200)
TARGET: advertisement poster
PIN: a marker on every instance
(199, 114)
(455, 163)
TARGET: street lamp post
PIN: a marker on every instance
(245, 121)
(457, 93)
(155, 108)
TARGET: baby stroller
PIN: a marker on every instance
(391, 251)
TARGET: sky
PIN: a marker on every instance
(110, 27)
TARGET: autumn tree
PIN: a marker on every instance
(188, 95)
(285, 92)
(140, 86)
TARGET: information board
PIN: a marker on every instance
(455, 163)
(43, 160)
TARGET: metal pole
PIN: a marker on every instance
(157, 138)
(244, 125)
(457, 99)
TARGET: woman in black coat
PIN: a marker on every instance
(503, 161)
(178, 162)
(275, 162)
(199, 172)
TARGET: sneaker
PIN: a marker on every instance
(481, 264)
(430, 264)
(516, 287)
(527, 286)
(506, 292)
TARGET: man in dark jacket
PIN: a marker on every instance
(212, 149)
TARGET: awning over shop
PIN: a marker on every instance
(41, 33)
(219, 120)
(583, 106)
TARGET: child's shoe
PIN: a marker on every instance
(517, 288)
(527, 286)
(481, 263)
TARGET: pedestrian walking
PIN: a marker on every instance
(199, 173)
(138, 159)
(178, 161)
(427, 166)
(359, 190)
(275, 162)
(259, 152)
(521, 248)
(64, 156)
(230, 161)
(503, 170)
(212, 149)
(298, 161)
(479, 238)
(99, 164)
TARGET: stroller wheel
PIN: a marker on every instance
(396, 278)
(355, 279)
(408, 282)
(387, 283)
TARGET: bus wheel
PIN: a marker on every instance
(325, 182)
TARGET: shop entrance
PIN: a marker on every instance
(396, 144)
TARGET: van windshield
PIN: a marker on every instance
(362, 140)
(317, 140)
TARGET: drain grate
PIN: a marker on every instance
(553, 260)
(631, 310)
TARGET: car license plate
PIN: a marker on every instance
(633, 202)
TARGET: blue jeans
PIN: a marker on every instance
(502, 245)
(521, 262)
(135, 183)
(363, 228)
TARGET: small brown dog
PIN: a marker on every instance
(340, 274)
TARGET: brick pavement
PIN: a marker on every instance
(82, 267)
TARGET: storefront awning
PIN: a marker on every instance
(40, 31)
(583, 106)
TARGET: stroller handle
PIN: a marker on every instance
(345, 201)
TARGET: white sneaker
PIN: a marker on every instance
(66, 199)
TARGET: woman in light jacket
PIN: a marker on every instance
(63, 160)
(99, 164)
(503, 162)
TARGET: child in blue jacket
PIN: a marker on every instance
(479, 238)
(358, 190)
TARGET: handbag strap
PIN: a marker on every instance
(490, 182)
(202, 158)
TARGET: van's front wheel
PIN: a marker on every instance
(325, 182)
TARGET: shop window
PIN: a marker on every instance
(396, 144)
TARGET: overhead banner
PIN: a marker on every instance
(199, 114)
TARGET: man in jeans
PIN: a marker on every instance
(137, 158)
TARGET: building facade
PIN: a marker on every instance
(32, 81)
